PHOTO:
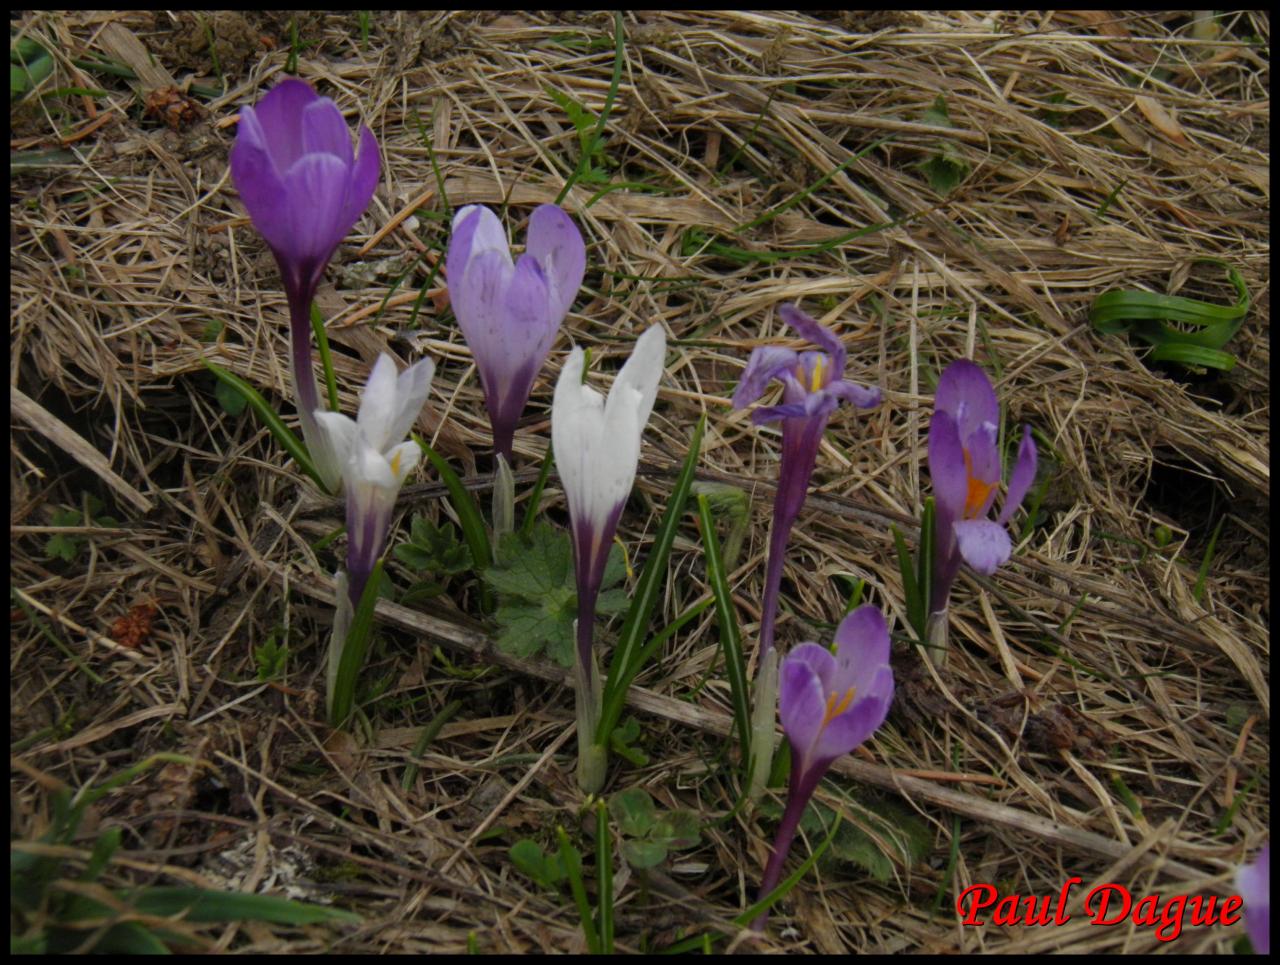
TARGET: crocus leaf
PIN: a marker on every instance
(473, 528)
(288, 441)
(201, 905)
(355, 648)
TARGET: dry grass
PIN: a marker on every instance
(1086, 662)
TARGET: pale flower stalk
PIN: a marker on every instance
(597, 448)
(375, 462)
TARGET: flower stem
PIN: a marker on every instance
(797, 798)
(936, 638)
(763, 732)
(588, 704)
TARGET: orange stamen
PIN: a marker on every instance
(834, 708)
(978, 491)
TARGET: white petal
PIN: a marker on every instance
(403, 459)
(378, 404)
(333, 443)
(489, 235)
(412, 388)
(577, 416)
(643, 370)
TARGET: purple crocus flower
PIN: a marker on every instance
(813, 385)
(828, 705)
(964, 463)
(1253, 881)
(304, 188)
(509, 311)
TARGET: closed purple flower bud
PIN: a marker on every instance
(304, 188)
(510, 311)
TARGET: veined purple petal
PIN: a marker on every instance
(985, 545)
(862, 646)
(260, 183)
(765, 364)
(846, 731)
(363, 178)
(555, 242)
(802, 700)
(1023, 475)
(966, 394)
(325, 131)
(280, 114)
(860, 396)
(315, 188)
(824, 338)
(946, 465)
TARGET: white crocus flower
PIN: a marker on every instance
(597, 448)
(375, 463)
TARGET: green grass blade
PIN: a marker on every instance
(354, 649)
(200, 905)
(604, 877)
(1203, 575)
(626, 656)
(572, 862)
(428, 734)
(326, 358)
(474, 530)
(588, 152)
(535, 497)
(288, 441)
(926, 552)
(726, 615)
(915, 604)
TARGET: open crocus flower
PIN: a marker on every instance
(964, 463)
(1253, 881)
(304, 188)
(813, 385)
(597, 449)
(509, 311)
(829, 704)
(374, 457)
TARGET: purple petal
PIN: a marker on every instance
(280, 114)
(822, 337)
(363, 178)
(946, 465)
(965, 393)
(315, 188)
(846, 731)
(818, 659)
(325, 131)
(1253, 882)
(260, 183)
(1023, 475)
(860, 396)
(862, 649)
(983, 544)
(556, 243)
(765, 364)
(477, 290)
(984, 467)
(802, 700)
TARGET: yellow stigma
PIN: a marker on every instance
(836, 708)
(816, 381)
(395, 464)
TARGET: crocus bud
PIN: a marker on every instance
(509, 311)
(304, 189)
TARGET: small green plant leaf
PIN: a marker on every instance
(271, 657)
(679, 829)
(643, 853)
(435, 549)
(946, 169)
(232, 402)
(633, 812)
(937, 113)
